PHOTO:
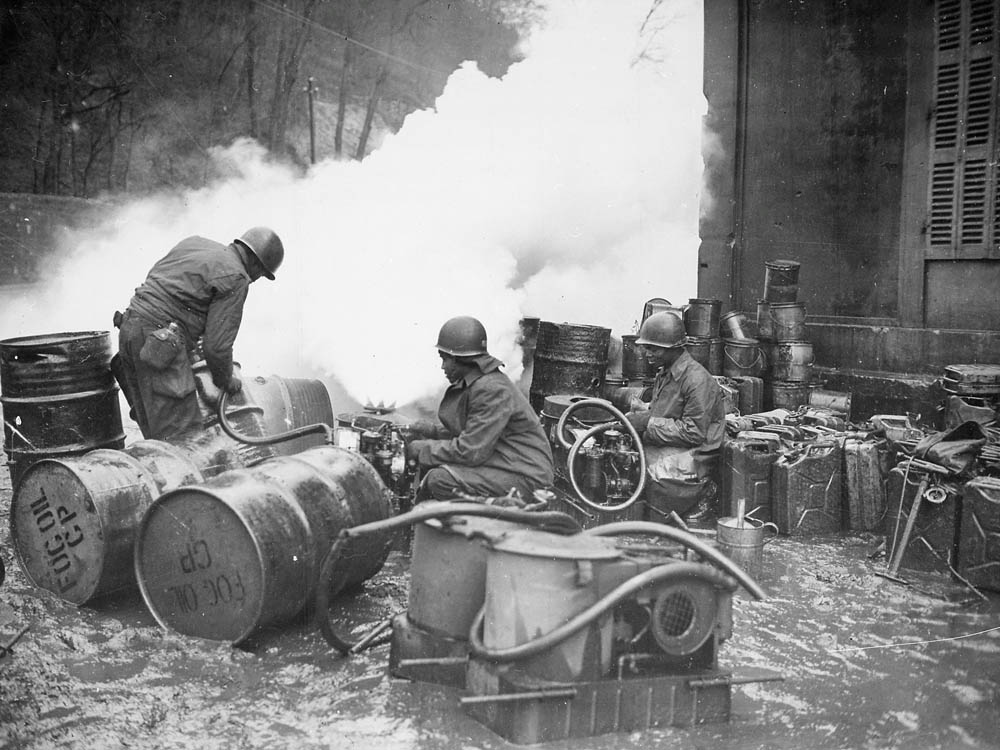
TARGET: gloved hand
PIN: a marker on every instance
(422, 428)
(234, 386)
(413, 449)
(639, 420)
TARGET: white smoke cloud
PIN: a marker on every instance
(567, 190)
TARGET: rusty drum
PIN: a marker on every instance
(243, 551)
(569, 359)
(781, 280)
(59, 397)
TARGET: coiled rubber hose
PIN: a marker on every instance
(574, 449)
(227, 427)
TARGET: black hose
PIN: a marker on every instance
(327, 587)
(298, 432)
(596, 429)
(688, 540)
(581, 620)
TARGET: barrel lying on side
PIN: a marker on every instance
(243, 550)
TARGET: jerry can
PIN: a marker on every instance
(864, 484)
(751, 394)
(979, 540)
(931, 546)
(807, 490)
(746, 473)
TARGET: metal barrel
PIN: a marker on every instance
(789, 395)
(289, 403)
(56, 363)
(781, 280)
(793, 361)
(59, 397)
(708, 352)
(634, 364)
(569, 359)
(734, 325)
(74, 519)
(789, 321)
(743, 358)
(243, 551)
(701, 317)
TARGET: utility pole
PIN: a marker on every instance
(310, 92)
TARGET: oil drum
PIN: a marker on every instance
(243, 551)
(570, 359)
(743, 358)
(781, 280)
(634, 364)
(794, 362)
(74, 519)
(287, 404)
(701, 317)
(59, 397)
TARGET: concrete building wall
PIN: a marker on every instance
(822, 109)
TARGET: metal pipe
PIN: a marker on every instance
(530, 695)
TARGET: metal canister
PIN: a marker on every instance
(781, 280)
(733, 325)
(634, 363)
(794, 361)
(569, 359)
(788, 321)
(743, 358)
(59, 397)
(243, 551)
(701, 317)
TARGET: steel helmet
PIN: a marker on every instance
(462, 337)
(266, 246)
(663, 329)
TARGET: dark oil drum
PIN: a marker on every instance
(781, 280)
(59, 397)
(73, 520)
(287, 404)
(97, 501)
(243, 550)
(569, 359)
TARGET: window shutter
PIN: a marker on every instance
(964, 189)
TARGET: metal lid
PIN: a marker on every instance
(534, 543)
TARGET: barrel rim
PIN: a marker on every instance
(53, 338)
(60, 463)
(205, 492)
(59, 397)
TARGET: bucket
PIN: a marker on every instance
(243, 551)
(742, 358)
(781, 280)
(74, 519)
(765, 326)
(789, 395)
(734, 325)
(789, 321)
(743, 545)
(701, 317)
(634, 364)
(569, 359)
(59, 397)
(793, 361)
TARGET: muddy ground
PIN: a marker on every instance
(868, 664)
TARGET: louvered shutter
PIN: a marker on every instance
(964, 201)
